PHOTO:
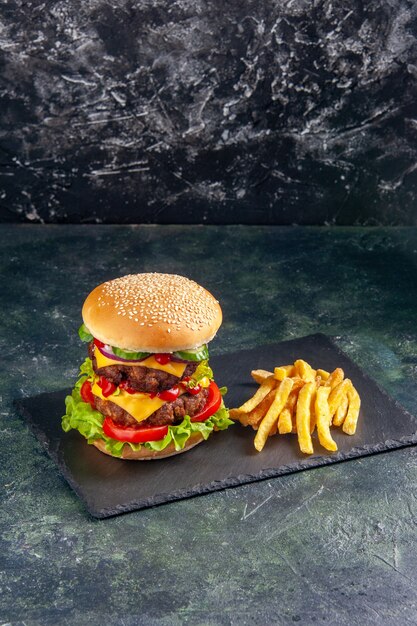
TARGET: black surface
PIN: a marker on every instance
(208, 112)
(111, 486)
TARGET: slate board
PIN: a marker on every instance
(110, 486)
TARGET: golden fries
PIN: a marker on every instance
(285, 421)
(296, 399)
(323, 419)
(305, 371)
(323, 374)
(263, 391)
(336, 395)
(260, 375)
(335, 378)
(281, 395)
(339, 416)
(282, 372)
(255, 416)
(351, 419)
(303, 415)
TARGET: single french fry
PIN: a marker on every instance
(260, 375)
(263, 391)
(313, 420)
(305, 371)
(274, 430)
(335, 378)
(285, 421)
(292, 401)
(341, 411)
(254, 417)
(283, 371)
(351, 420)
(235, 414)
(323, 374)
(323, 419)
(281, 396)
(336, 395)
(303, 418)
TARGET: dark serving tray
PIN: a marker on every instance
(110, 486)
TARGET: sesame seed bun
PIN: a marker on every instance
(152, 313)
(149, 455)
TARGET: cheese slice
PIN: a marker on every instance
(177, 369)
(138, 405)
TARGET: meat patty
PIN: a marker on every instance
(169, 413)
(139, 378)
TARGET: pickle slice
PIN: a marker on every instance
(129, 355)
(196, 354)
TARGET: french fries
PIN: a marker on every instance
(349, 425)
(340, 415)
(285, 421)
(305, 371)
(303, 415)
(260, 375)
(297, 398)
(282, 372)
(323, 419)
(336, 395)
(278, 403)
(335, 378)
(263, 391)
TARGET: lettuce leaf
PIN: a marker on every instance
(203, 371)
(84, 334)
(82, 417)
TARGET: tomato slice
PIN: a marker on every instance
(213, 403)
(132, 434)
(87, 394)
(107, 388)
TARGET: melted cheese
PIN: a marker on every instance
(177, 369)
(138, 405)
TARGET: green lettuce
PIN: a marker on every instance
(203, 370)
(82, 417)
(84, 334)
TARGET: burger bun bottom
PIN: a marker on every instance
(144, 454)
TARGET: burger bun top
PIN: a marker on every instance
(152, 313)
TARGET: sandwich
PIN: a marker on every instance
(146, 389)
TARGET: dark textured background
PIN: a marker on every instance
(208, 111)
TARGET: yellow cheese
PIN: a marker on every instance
(177, 369)
(138, 405)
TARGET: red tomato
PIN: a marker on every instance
(162, 358)
(98, 343)
(107, 388)
(170, 394)
(213, 403)
(132, 434)
(87, 394)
